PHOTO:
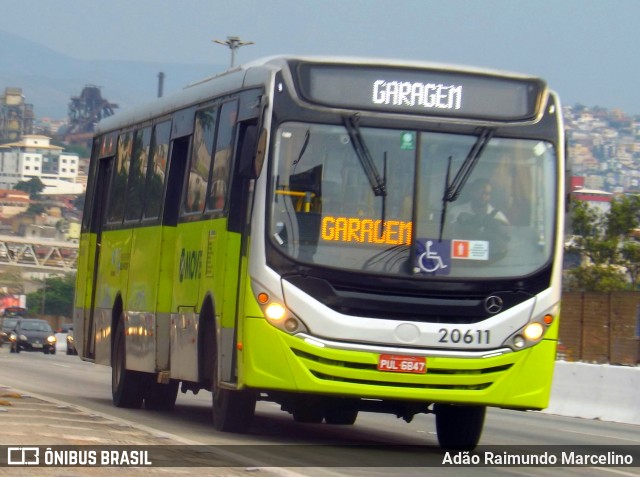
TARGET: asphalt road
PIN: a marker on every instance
(85, 388)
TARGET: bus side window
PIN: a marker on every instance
(137, 174)
(118, 187)
(156, 170)
(178, 155)
(222, 159)
(201, 153)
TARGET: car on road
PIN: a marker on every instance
(71, 346)
(8, 324)
(31, 334)
(62, 335)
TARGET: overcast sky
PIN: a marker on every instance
(585, 49)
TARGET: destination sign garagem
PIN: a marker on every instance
(421, 91)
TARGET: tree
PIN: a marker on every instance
(33, 187)
(56, 295)
(631, 260)
(603, 240)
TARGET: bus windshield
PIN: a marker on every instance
(326, 210)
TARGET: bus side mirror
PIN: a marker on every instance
(252, 152)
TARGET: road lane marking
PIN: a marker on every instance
(601, 436)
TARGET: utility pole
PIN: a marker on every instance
(233, 42)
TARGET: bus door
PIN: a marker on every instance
(203, 255)
(97, 213)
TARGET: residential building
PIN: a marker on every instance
(35, 156)
(13, 202)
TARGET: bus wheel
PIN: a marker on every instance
(341, 412)
(232, 410)
(345, 417)
(161, 397)
(459, 427)
(127, 387)
(308, 409)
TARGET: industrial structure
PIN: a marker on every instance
(85, 111)
(16, 116)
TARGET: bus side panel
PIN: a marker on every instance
(111, 285)
(189, 260)
(83, 291)
(167, 268)
(141, 299)
(227, 273)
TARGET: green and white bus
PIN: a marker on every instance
(335, 235)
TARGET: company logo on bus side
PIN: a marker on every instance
(190, 264)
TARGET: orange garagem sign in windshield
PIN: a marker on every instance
(352, 229)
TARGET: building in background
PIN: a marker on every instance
(16, 116)
(35, 156)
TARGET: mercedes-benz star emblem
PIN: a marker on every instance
(493, 304)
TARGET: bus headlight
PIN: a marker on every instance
(278, 315)
(533, 331)
(275, 312)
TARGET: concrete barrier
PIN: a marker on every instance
(596, 391)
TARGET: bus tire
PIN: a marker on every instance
(232, 411)
(309, 409)
(343, 417)
(127, 387)
(161, 397)
(459, 427)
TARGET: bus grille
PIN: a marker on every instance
(435, 378)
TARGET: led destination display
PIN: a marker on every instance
(421, 91)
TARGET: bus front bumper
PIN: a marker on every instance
(274, 360)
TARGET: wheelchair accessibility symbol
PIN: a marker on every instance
(433, 256)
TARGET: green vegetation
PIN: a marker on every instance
(610, 255)
(56, 296)
(32, 187)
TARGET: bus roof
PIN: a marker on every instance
(256, 73)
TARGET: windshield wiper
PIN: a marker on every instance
(305, 143)
(378, 184)
(454, 188)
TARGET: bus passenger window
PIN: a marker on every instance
(137, 174)
(118, 188)
(222, 157)
(201, 152)
(156, 171)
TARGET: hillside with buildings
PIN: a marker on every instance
(604, 149)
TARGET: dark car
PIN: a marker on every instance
(71, 345)
(8, 324)
(31, 334)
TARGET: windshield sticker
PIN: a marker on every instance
(408, 141)
(470, 249)
(433, 256)
(352, 229)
